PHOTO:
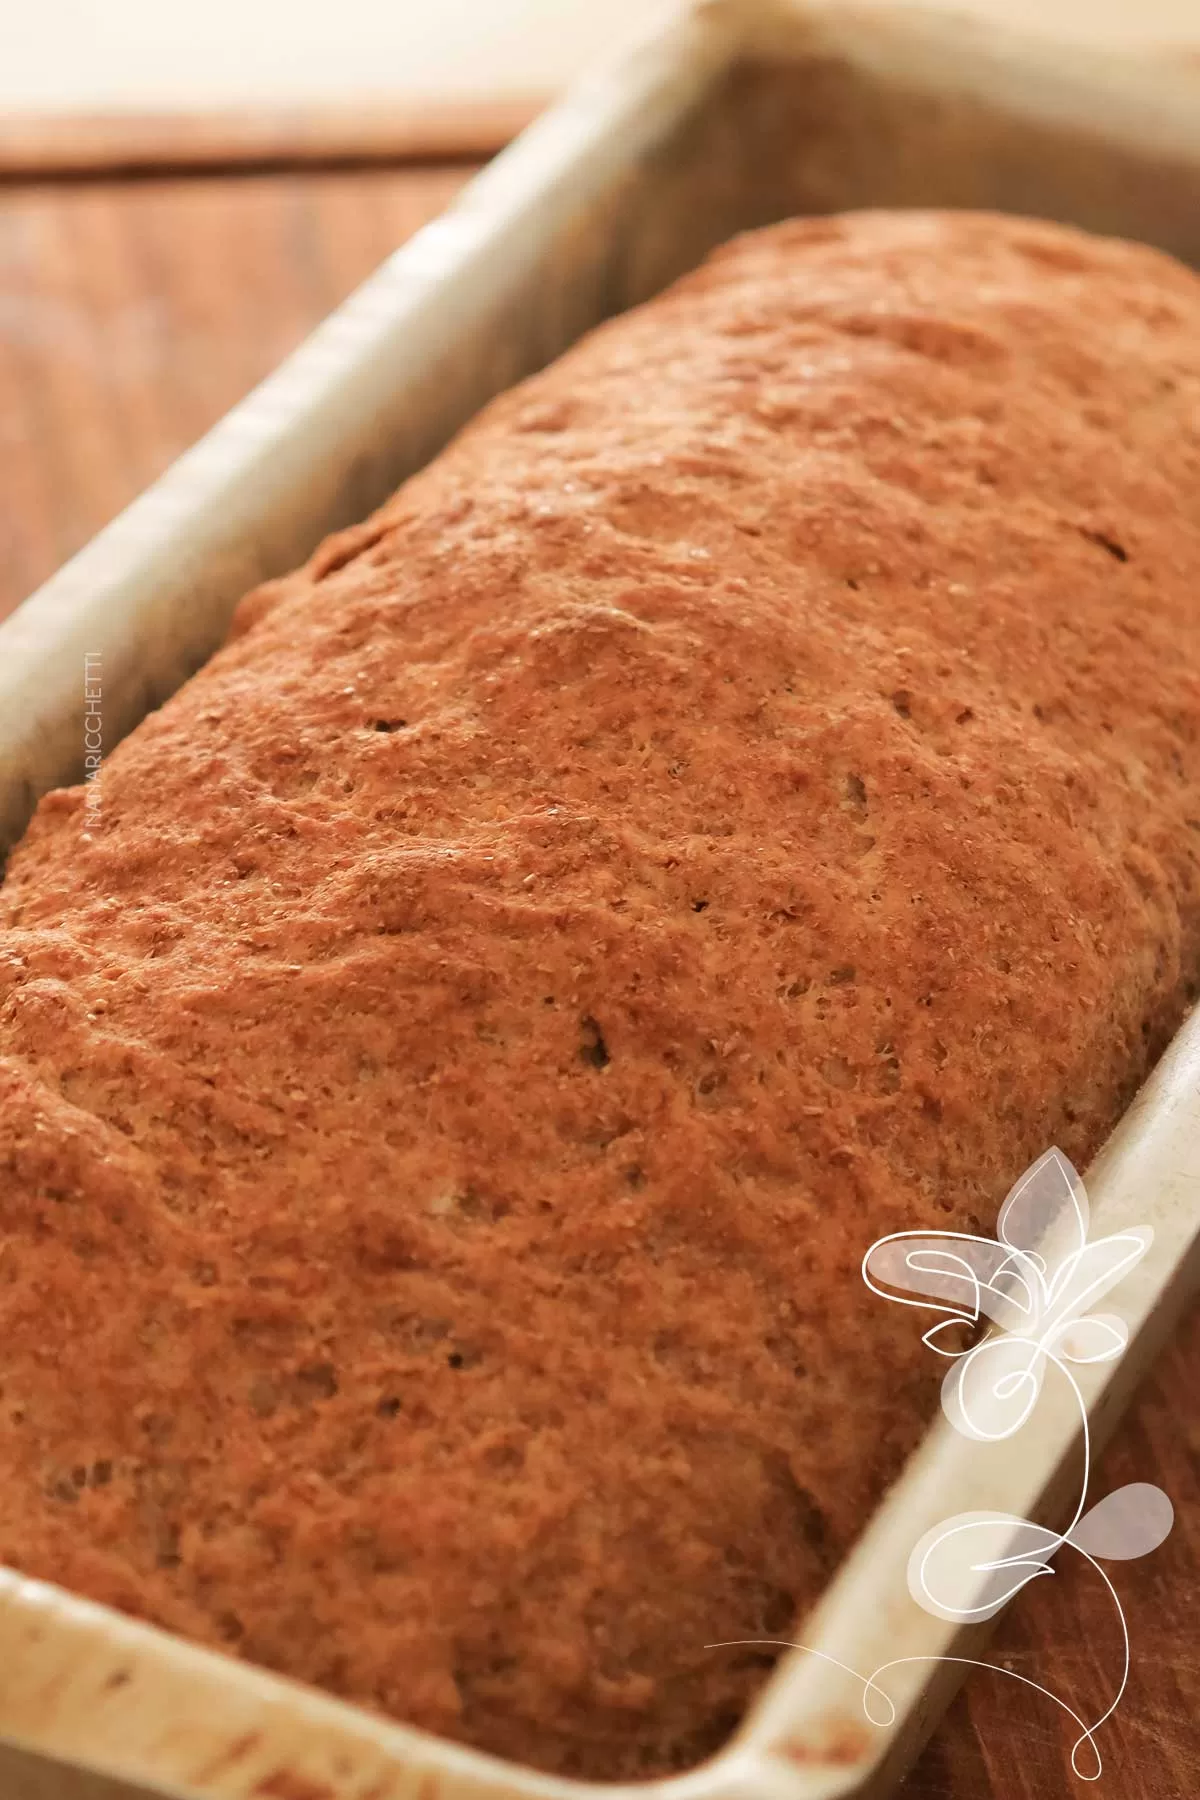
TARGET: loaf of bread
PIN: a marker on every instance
(742, 799)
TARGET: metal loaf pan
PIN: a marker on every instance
(735, 114)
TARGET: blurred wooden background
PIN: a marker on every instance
(133, 313)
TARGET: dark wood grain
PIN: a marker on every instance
(132, 315)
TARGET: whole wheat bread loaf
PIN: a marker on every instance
(742, 799)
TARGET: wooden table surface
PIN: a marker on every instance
(132, 314)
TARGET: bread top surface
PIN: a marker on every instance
(742, 799)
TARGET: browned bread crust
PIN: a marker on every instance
(742, 799)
